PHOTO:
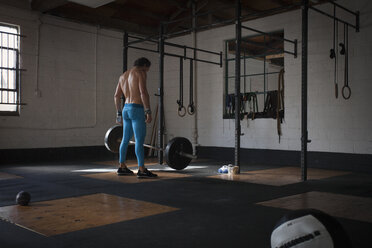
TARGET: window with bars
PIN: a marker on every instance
(9, 70)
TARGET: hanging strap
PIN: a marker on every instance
(181, 108)
(191, 107)
(280, 103)
(346, 91)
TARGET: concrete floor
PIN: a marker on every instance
(85, 204)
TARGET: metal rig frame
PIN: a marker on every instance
(160, 41)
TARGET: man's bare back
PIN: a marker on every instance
(132, 84)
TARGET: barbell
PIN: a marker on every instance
(178, 152)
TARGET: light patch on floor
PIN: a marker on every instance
(5, 176)
(344, 206)
(279, 176)
(96, 170)
(129, 163)
(190, 167)
(78, 213)
(110, 176)
(166, 168)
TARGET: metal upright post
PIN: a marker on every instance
(125, 60)
(304, 134)
(125, 52)
(161, 93)
(238, 34)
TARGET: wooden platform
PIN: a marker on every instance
(5, 176)
(77, 213)
(112, 176)
(130, 163)
(279, 176)
(344, 206)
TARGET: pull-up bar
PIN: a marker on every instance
(181, 56)
(294, 42)
(184, 47)
(356, 14)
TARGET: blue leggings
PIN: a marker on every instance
(133, 122)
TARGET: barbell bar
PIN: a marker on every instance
(160, 149)
(178, 152)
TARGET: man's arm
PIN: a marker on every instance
(143, 91)
(145, 96)
(117, 96)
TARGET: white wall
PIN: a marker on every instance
(335, 125)
(79, 66)
(76, 70)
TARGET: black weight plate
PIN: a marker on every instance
(172, 156)
(113, 138)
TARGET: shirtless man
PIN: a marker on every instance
(137, 104)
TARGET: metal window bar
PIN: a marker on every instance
(1, 65)
(19, 35)
(7, 78)
(9, 69)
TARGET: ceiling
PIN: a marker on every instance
(144, 16)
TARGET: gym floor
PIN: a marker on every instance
(85, 204)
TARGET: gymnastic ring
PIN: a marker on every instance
(191, 109)
(343, 92)
(181, 111)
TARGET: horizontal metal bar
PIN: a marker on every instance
(144, 49)
(270, 11)
(225, 22)
(176, 55)
(332, 17)
(253, 56)
(149, 38)
(292, 53)
(8, 48)
(177, 33)
(12, 69)
(138, 37)
(187, 155)
(200, 60)
(160, 149)
(169, 35)
(149, 146)
(200, 14)
(270, 35)
(342, 7)
(264, 46)
(20, 35)
(17, 103)
(193, 48)
(7, 89)
(255, 74)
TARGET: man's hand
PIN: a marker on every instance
(148, 118)
(119, 118)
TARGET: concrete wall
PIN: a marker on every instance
(335, 125)
(72, 73)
